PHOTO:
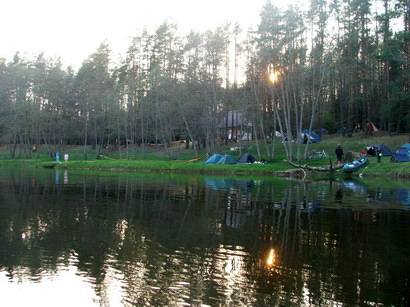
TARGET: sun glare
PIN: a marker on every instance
(273, 77)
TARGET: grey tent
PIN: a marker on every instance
(247, 158)
(227, 159)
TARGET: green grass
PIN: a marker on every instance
(386, 168)
(155, 159)
(26, 163)
(383, 169)
(170, 167)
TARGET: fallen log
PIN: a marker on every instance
(330, 168)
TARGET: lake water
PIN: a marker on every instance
(74, 239)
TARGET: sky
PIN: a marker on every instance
(73, 29)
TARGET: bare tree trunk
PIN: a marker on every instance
(312, 115)
(259, 116)
(85, 137)
(190, 135)
(256, 141)
(286, 117)
(273, 136)
(119, 136)
(126, 139)
(142, 131)
(13, 147)
(281, 130)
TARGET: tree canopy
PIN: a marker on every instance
(333, 64)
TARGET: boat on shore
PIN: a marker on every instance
(355, 165)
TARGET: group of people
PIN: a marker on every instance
(364, 152)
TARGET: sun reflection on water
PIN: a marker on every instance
(271, 258)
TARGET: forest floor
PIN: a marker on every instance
(180, 160)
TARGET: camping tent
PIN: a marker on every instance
(370, 128)
(247, 158)
(405, 146)
(227, 159)
(402, 154)
(312, 136)
(386, 151)
(214, 159)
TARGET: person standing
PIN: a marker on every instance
(339, 153)
(305, 139)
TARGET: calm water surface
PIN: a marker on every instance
(71, 239)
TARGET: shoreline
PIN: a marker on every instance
(385, 169)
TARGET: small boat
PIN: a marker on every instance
(353, 166)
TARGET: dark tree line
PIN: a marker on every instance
(339, 63)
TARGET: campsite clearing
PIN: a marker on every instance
(383, 169)
(186, 162)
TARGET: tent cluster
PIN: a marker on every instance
(228, 159)
(400, 155)
(373, 150)
(306, 136)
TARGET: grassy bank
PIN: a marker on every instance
(385, 169)
(183, 167)
(156, 160)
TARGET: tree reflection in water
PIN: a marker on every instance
(167, 240)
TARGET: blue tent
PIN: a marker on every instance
(402, 154)
(312, 136)
(406, 146)
(227, 159)
(214, 159)
(246, 158)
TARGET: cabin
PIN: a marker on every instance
(233, 126)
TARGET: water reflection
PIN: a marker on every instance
(271, 258)
(399, 195)
(224, 184)
(355, 186)
(179, 241)
(65, 287)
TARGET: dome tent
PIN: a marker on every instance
(247, 158)
(227, 159)
(402, 154)
(214, 159)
